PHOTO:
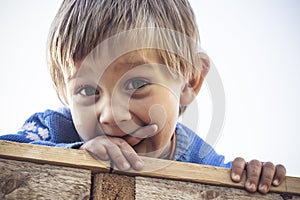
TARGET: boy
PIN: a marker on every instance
(126, 70)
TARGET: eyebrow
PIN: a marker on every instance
(130, 60)
(133, 61)
(130, 65)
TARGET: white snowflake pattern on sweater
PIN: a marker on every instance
(33, 132)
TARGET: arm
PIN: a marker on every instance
(260, 176)
(50, 128)
(191, 148)
(23, 137)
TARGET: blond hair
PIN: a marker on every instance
(80, 25)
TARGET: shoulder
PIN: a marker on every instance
(48, 114)
(57, 123)
(191, 148)
(51, 128)
(185, 135)
(187, 141)
(182, 129)
(48, 119)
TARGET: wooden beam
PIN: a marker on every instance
(112, 186)
(26, 180)
(204, 174)
(51, 155)
(155, 168)
(156, 188)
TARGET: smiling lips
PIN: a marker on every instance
(132, 141)
(137, 136)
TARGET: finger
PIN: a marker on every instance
(253, 168)
(97, 149)
(132, 141)
(141, 133)
(117, 156)
(146, 131)
(132, 157)
(279, 176)
(268, 171)
(237, 169)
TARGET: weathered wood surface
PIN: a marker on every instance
(26, 180)
(154, 188)
(190, 172)
(112, 186)
(178, 173)
(51, 155)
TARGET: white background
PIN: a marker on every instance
(254, 44)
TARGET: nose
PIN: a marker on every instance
(114, 111)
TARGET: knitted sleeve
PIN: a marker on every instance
(50, 128)
(207, 155)
(191, 148)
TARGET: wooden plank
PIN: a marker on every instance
(154, 188)
(112, 186)
(25, 180)
(153, 167)
(217, 176)
(51, 155)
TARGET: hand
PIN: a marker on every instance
(119, 150)
(259, 176)
(115, 149)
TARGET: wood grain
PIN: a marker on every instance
(154, 188)
(189, 172)
(112, 186)
(51, 155)
(156, 168)
(25, 180)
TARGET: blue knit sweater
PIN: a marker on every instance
(56, 128)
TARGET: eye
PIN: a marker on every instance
(135, 84)
(88, 90)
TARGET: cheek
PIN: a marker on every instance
(164, 113)
(85, 122)
(162, 110)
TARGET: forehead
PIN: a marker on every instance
(138, 57)
(98, 65)
(132, 58)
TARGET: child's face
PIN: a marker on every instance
(132, 92)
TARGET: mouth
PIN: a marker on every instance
(132, 141)
(137, 136)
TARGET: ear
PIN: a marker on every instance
(193, 86)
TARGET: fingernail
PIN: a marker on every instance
(250, 186)
(155, 127)
(263, 188)
(276, 182)
(139, 165)
(125, 166)
(235, 177)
